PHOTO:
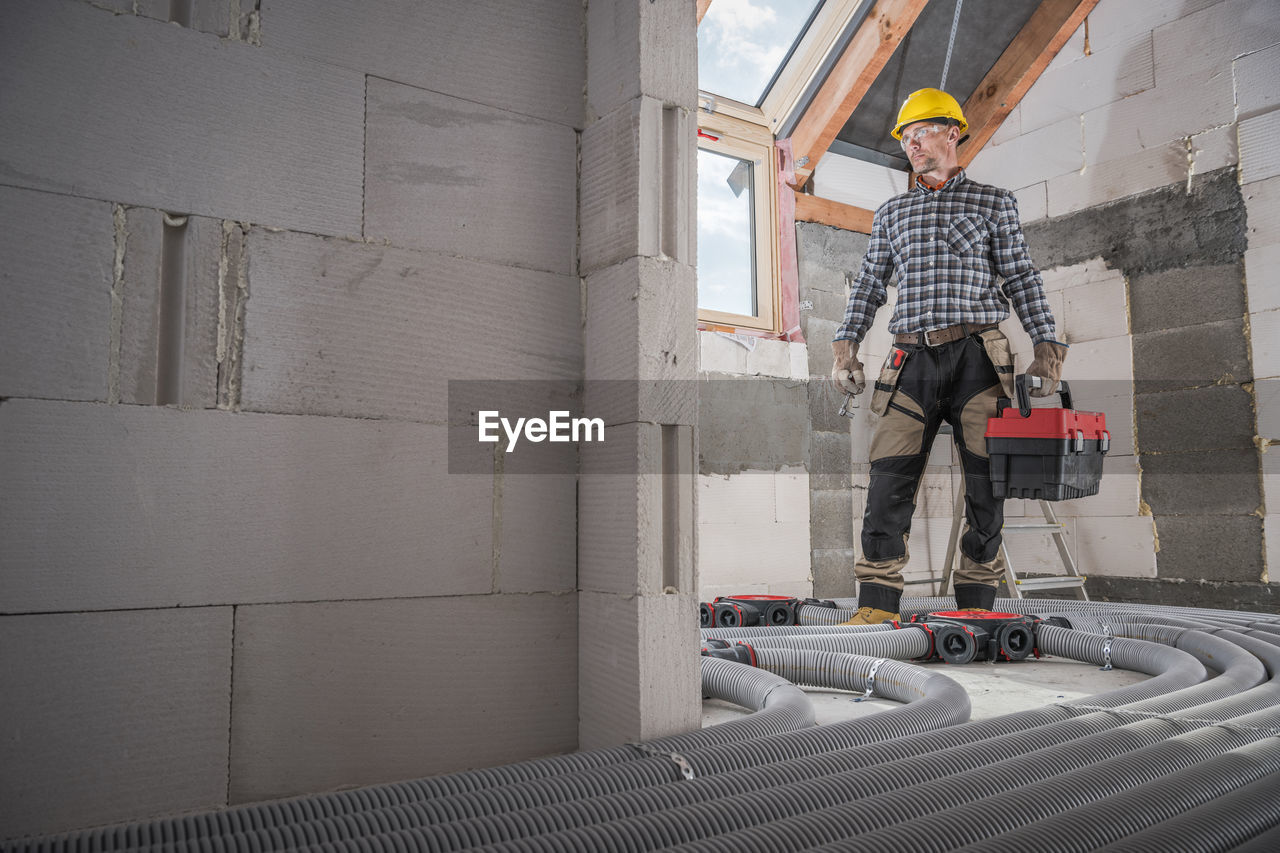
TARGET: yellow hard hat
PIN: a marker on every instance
(925, 104)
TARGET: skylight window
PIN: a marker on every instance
(743, 45)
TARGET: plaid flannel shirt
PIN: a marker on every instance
(950, 248)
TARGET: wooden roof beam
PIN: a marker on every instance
(1021, 64)
(702, 8)
(836, 214)
(847, 84)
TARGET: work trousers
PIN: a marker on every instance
(918, 389)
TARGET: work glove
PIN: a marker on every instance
(846, 370)
(1047, 364)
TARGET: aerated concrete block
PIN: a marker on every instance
(354, 330)
(239, 133)
(1203, 45)
(338, 694)
(1095, 311)
(1033, 202)
(1257, 77)
(791, 495)
(1117, 177)
(641, 338)
(1263, 202)
(1105, 76)
(453, 176)
(638, 185)
(56, 266)
(526, 57)
(1259, 152)
(746, 553)
(1186, 296)
(642, 682)
(538, 533)
(1210, 547)
(747, 498)
(757, 424)
(1115, 546)
(1262, 278)
(1044, 153)
(1266, 394)
(112, 716)
(636, 524)
(1264, 335)
(720, 354)
(143, 507)
(641, 47)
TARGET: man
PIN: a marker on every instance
(951, 242)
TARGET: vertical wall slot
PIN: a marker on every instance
(671, 527)
(173, 311)
(672, 190)
(180, 12)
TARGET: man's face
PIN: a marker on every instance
(925, 143)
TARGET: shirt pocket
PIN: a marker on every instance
(968, 234)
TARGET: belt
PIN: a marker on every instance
(938, 337)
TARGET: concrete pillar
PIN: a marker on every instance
(637, 634)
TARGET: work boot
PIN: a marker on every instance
(975, 597)
(876, 604)
(872, 616)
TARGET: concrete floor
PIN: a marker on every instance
(993, 688)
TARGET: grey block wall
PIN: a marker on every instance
(637, 637)
(1194, 406)
(827, 257)
(243, 255)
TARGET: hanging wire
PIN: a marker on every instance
(946, 66)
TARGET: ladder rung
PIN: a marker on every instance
(1034, 526)
(1050, 582)
(922, 580)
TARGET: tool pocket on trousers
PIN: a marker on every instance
(1000, 354)
(887, 382)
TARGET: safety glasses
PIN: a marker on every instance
(920, 134)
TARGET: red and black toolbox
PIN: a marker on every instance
(1045, 454)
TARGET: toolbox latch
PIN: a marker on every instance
(1079, 442)
(1104, 443)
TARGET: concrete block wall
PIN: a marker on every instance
(637, 630)
(244, 252)
(1148, 165)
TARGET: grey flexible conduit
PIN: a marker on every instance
(1178, 761)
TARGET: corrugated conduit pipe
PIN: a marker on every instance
(803, 667)
(932, 699)
(889, 752)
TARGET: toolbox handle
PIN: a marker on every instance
(1024, 398)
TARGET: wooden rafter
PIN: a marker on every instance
(702, 8)
(1021, 64)
(848, 82)
(826, 212)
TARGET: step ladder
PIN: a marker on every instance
(1071, 580)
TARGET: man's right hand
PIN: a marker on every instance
(846, 370)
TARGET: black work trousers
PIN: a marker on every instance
(920, 388)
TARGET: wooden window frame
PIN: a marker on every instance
(751, 142)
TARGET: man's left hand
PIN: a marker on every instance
(1047, 364)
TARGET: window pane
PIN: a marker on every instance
(743, 43)
(726, 245)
